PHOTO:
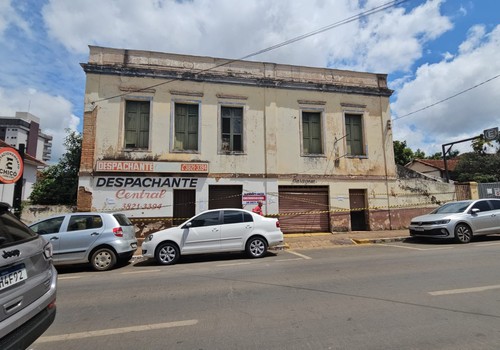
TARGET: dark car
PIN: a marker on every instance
(28, 283)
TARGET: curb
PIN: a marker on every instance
(378, 240)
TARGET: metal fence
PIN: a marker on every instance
(489, 190)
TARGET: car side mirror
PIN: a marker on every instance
(475, 210)
(187, 225)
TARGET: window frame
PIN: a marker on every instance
(194, 221)
(173, 148)
(220, 131)
(364, 148)
(75, 221)
(150, 123)
(321, 113)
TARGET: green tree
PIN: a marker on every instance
(419, 154)
(450, 155)
(402, 153)
(58, 184)
(478, 167)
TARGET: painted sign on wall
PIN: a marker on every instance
(253, 198)
(150, 167)
(143, 196)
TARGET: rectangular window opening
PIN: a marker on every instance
(232, 129)
(311, 133)
(354, 135)
(137, 121)
(186, 127)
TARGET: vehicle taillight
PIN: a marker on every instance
(48, 251)
(277, 224)
(118, 232)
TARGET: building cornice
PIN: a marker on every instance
(231, 79)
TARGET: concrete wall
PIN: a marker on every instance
(32, 213)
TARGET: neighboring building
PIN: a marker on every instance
(31, 165)
(167, 136)
(433, 168)
(24, 128)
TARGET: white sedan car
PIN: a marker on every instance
(218, 230)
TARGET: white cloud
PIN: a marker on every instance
(10, 17)
(447, 56)
(383, 42)
(55, 113)
(475, 36)
(464, 116)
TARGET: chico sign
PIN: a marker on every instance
(11, 165)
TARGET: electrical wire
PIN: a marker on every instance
(446, 99)
(359, 16)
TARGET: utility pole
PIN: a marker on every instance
(18, 187)
(488, 135)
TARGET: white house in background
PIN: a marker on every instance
(24, 128)
(31, 166)
(433, 168)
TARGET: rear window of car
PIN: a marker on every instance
(235, 216)
(13, 231)
(122, 220)
(495, 204)
(84, 222)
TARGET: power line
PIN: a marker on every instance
(284, 43)
(446, 99)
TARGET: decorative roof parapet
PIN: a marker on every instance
(137, 63)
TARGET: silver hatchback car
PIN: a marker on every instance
(101, 239)
(28, 283)
(459, 220)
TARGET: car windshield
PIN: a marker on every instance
(453, 207)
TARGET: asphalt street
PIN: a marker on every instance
(394, 295)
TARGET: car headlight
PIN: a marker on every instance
(441, 222)
(149, 238)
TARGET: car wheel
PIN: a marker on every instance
(256, 247)
(463, 233)
(167, 254)
(103, 259)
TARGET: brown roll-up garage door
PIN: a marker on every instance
(304, 209)
(225, 196)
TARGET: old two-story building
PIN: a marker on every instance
(167, 136)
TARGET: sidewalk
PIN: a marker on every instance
(325, 240)
(328, 240)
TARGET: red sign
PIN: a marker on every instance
(194, 167)
(11, 165)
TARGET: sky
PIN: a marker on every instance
(431, 50)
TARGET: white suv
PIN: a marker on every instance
(28, 283)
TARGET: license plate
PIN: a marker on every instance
(134, 245)
(421, 229)
(12, 276)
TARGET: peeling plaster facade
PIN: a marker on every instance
(271, 157)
